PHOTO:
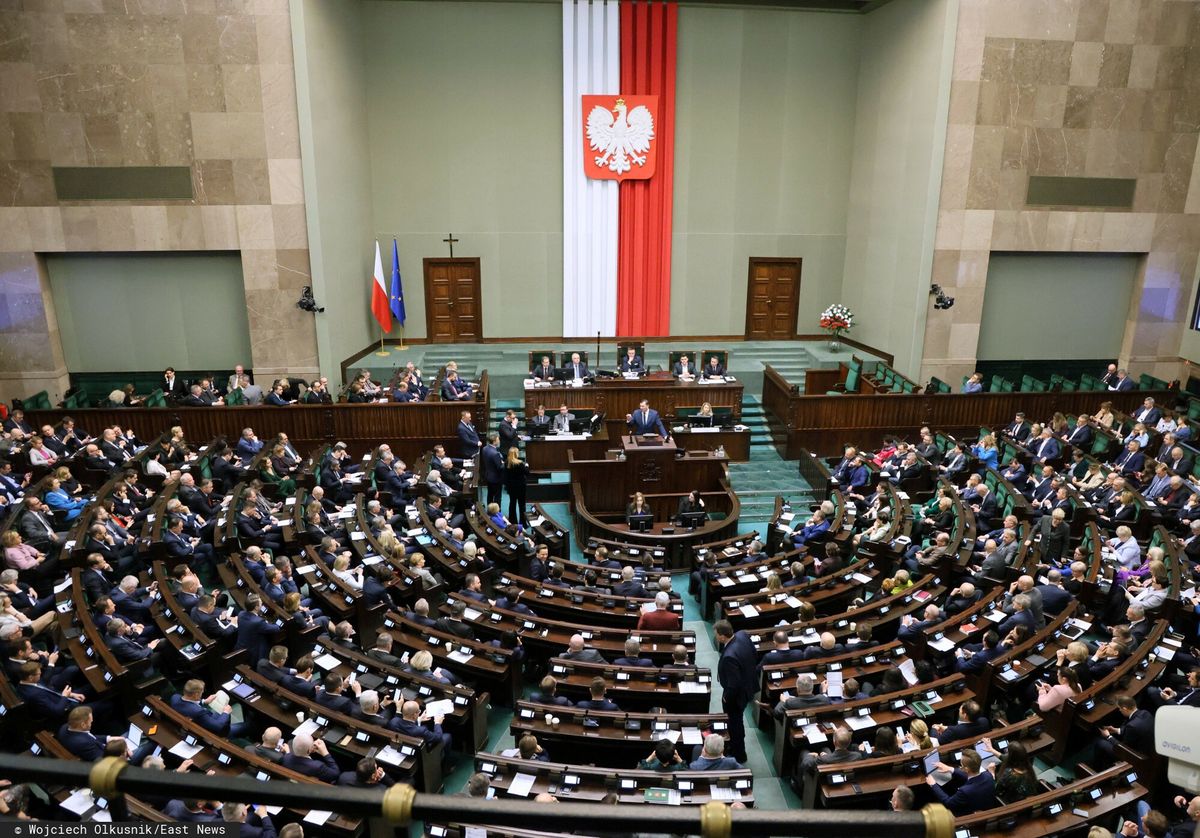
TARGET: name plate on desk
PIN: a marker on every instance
(567, 437)
(705, 431)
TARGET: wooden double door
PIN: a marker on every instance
(772, 298)
(453, 305)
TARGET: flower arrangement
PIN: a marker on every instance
(837, 319)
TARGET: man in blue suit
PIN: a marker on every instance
(1021, 616)
(970, 723)
(976, 789)
(1046, 447)
(191, 705)
(1148, 414)
(712, 757)
(76, 735)
(633, 655)
(44, 701)
(1131, 461)
(737, 672)
(311, 759)
(632, 362)
(410, 723)
(645, 421)
(468, 436)
(255, 634)
(491, 468)
(249, 445)
(970, 662)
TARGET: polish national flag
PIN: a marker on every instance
(379, 295)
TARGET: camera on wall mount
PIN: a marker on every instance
(307, 302)
(941, 301)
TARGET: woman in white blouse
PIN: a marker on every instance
(39, 454)
(351, 576)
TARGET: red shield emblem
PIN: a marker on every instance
(620, 137)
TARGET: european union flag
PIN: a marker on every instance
(396, 298)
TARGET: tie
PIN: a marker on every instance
(577, 371)
(645, 417)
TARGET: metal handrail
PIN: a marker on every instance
(398, 806)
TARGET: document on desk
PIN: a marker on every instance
(183, 750)
(460, 657)
(691, 688)
(442, 707)
(691, 736)
(909, 670)
(308, 728)
(357, 535)
(814, 734)
(472, 614)
(942, 644)
(389, 755)
(749, 611)
(723, 793)
(861, 578)
(792, 601)
(521, 784)
(833, 684)
(670, 734)
(723, 581)
(79, 802)
(860, 722)
(327, 661)
(317, 816)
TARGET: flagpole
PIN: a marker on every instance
(381, 351)
(402, 346)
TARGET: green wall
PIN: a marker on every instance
(899, 139)
(145, 311)
(764, 127)
(327, 40)
(465, 136)
(1027, 294)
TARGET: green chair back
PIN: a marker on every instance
(722, 357)
(674, 355)
(852, 380)
(638, 346)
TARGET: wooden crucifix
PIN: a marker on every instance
(450, 240)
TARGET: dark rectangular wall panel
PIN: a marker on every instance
(1081, 192)
(123, 183)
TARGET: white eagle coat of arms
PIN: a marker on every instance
(618, 140)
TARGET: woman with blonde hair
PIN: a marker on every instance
(774, 584)
(421, 663)
(1104, 416)
(986, 451)
(353, 577)
(918, 734)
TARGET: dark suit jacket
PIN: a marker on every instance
(83, 744)
(217, 723)
(737, 669)
(322, 767)
(469, 438)
(636, 365)
(491, 464)
(975, 794)
(652, 424)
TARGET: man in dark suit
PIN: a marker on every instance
(805, 696)
(468, 436)
(1122, 383)
(644, 420)
(510, 432)
(491, 468)
(1055, 597)
(971, 723)
(1131, 461)
(311, 759)
(543, 371)
(451, 390)
(782, 653)
(912, 628)
(76, 735)
(189, 810)
(633, 655)
(576, 368)
(1148, 414)
(411, 723)
(985, 507)
(576, 651)
(976, 789)
(737, 672)
(540, 419)
(191, 704)
(969, 662)
(1021, 616)
(172, 385)
(332, 695)
(254, 633)
(684, 368)
(1018, 431)
(1046, 447)
(37, 527)
(1137, 733)
(632, 362)
(1178, 461)
(210, 621)
(549, 693)
(714, 368)
(598, 698)
(453, 622)
(1081, 435)
(629, 585)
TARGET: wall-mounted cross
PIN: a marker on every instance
(450, 240)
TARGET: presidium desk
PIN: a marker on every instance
(616, 397)
(602, 488)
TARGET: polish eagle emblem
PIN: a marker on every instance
(619, 139)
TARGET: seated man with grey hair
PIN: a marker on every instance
(1021, 616)
(311, 758)
(633, 655)
(576, 651)
(371, 710)
(805, 696)
(713, 758)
